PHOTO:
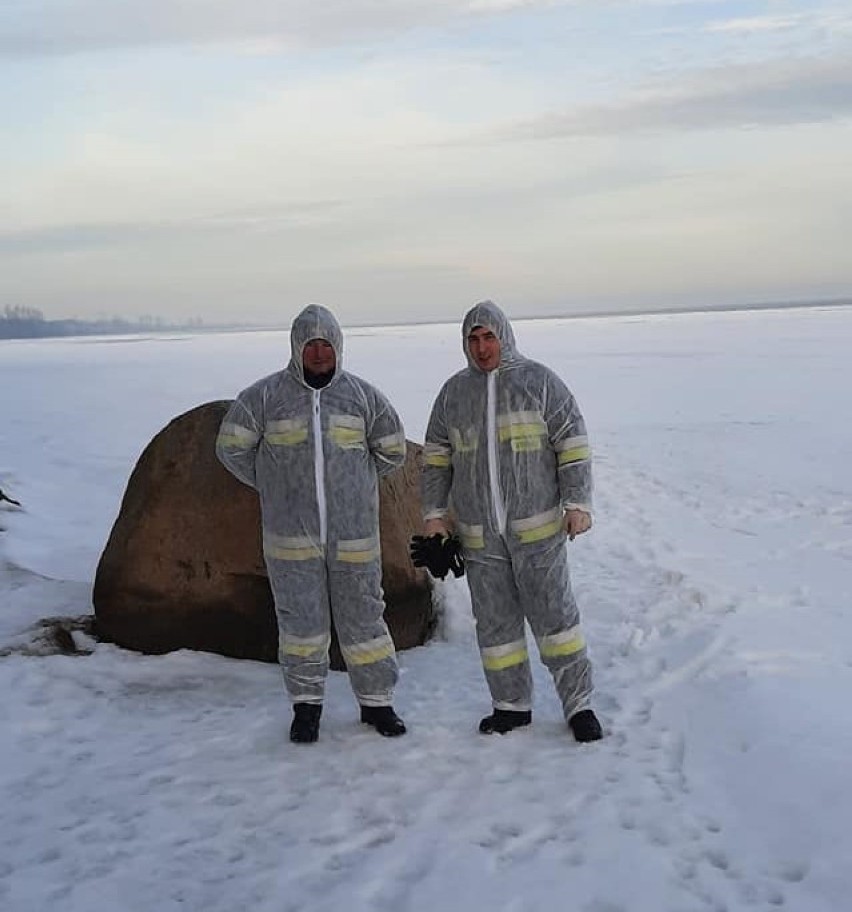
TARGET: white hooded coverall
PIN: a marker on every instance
(507, 450)
(314, 457)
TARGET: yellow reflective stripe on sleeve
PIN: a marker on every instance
(574, 449)
(230, 441)
(565, 643)
(235, 435)
(537, 528)
(358, 550)
(296, 548)
(304, 646)
(496, 658)
(437, 455)
(287, 432)
(577, 454)
(542, 532)
(392, 443)
(473, 537)
(368, 653)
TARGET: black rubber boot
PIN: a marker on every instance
(305, 726)
(385, 721)
(585, 726)
(504, 720)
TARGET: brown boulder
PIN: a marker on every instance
(183, 567)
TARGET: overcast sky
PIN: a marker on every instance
(401, 159)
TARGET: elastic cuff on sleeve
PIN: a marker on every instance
(583, 508)
(436, 514)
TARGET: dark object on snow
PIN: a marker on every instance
(502, 721)
(54, 636)
(585, 726)
(4, 496)
(305, 726)
(183, 567)
(385, 721)
(438, 554)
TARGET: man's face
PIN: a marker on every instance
(484, 348)
(318, 357)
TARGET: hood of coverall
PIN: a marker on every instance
(314, 322)
(489, 315)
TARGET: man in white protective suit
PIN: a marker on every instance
(312, 440)
(506, 450)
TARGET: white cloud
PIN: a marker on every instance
(58, 26)
(808, 21)
(756, 24)
(773, 93)
(69, 26)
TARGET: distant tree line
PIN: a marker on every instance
(29, 323)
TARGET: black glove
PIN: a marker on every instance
(438, 554)
(428, 551)
(454, 555)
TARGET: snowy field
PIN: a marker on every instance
(715, 589)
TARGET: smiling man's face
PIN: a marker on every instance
(484, 348)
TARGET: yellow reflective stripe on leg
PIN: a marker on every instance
(496, 658)
(290, 548)
(498, 663)
(358, 557)
(304, 646)
(562, 644)
(358, 550)
(370, 651)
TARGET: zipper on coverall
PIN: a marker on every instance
(497, 502)
(319, 469)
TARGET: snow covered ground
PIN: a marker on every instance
(715, 589)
